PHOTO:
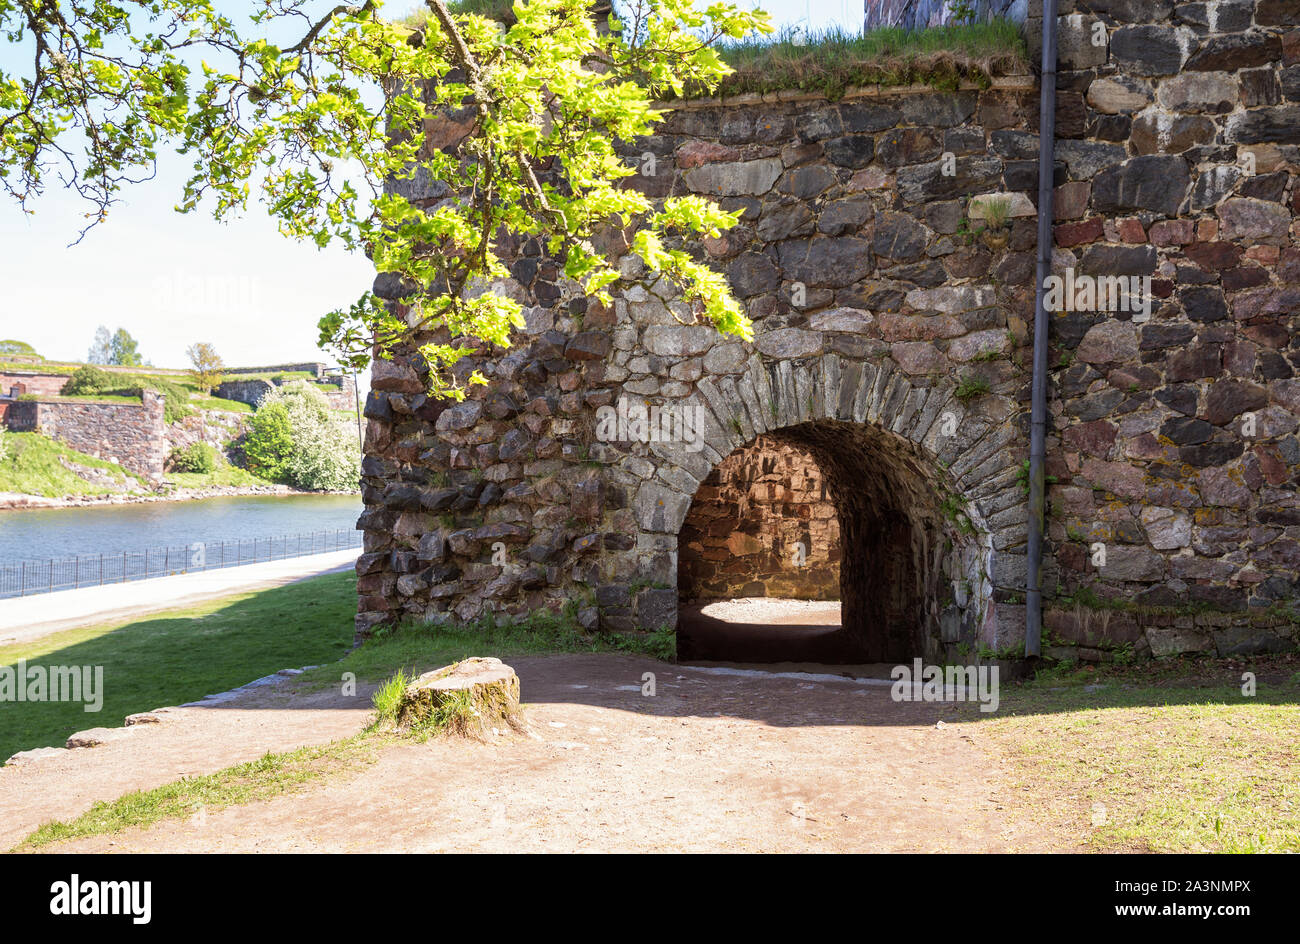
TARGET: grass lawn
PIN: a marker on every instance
(174, 657)
(1159, 757)
(32, 467)
(225, 474)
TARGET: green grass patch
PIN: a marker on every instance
(415, 648)
(269, 776)
(89, 398)
(970, 387)
(1164, 757)
(833, 61)
(32, 466)
(225, 475)
(181, 655)
(271, 375)
(43, 367)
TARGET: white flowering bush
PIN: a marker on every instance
(322, 453)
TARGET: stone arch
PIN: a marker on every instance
(939, 479)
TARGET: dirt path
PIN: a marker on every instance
(717, 760)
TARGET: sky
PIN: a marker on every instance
(174, 279)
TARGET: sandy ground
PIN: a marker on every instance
(23, 619)
(715, 760)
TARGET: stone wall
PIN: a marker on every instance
(763, 524)
(131, 435)
(888, 337)
(1174, 448)
(891, 343)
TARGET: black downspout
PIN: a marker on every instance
(1038, 390)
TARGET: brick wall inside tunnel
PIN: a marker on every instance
(875, 305)
(763, 524)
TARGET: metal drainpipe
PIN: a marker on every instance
(1038, 408)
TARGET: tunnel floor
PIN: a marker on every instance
(772, 633)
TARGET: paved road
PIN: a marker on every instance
(23, 619)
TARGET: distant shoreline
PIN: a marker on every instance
(17, 501)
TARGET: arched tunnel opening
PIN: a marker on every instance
(826, 542)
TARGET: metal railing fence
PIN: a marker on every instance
(88, 570)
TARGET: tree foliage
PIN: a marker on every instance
(208, 366)
(118, 348)
(318, 120)
(101, 348)
(125, 350)
(10, 346)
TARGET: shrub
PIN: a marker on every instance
(294, 437)
(88, 382)
(198, 457)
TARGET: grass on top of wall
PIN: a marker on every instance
(87, 398)
(833, 61)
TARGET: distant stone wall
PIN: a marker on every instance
(341, 395)
(763, 524)
(133, 436)
(315, 368)
(17, 383)
(918, 14)
(244, 391)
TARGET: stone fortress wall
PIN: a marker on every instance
(892, 346)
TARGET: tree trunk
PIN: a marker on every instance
(470, 697)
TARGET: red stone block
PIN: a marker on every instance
(1132, 231)
(1075, 234)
